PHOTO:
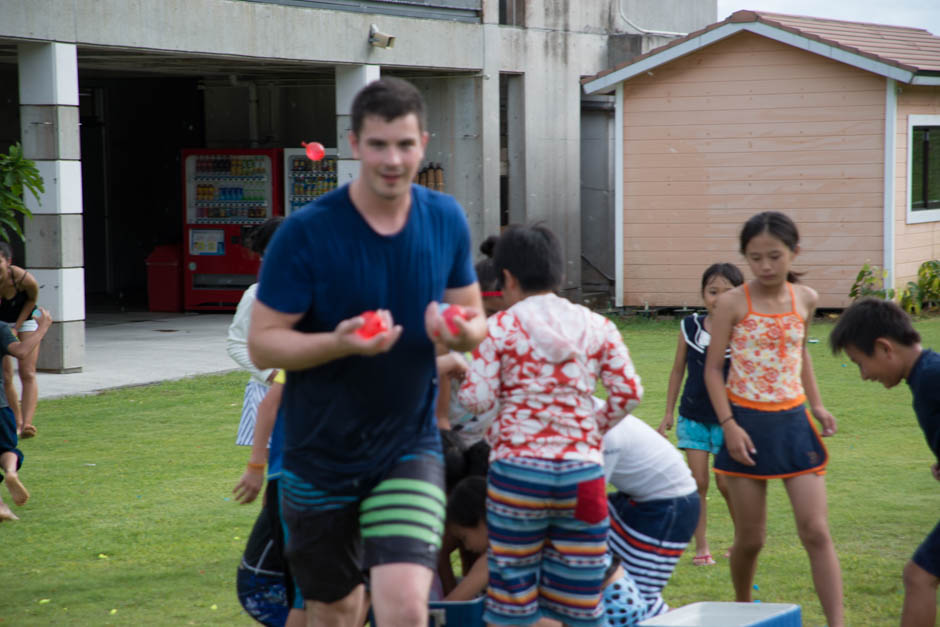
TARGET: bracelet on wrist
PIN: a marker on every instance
(722, 423)
(253, 466)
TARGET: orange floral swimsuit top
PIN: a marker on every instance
(767, 359)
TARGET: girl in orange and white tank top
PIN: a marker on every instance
(762, 408)
(767, 359)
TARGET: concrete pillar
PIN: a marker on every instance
(515, 147)
(457, 125)
(48, 86)
(488, 217)
(349, 80)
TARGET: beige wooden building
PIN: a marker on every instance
(816, 118)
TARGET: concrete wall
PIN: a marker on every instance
(683, 16)
(286, 116)
(243, 30)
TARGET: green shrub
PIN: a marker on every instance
(925, 293)
(870, 282)
(17, 174)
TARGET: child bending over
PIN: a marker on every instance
(878, 336)
(624, 605)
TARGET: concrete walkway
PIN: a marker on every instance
(137, 348)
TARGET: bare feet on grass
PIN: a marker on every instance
(6, 513)
(17, 490)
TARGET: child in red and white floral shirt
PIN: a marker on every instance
(546, 498)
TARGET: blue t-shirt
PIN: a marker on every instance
(695, 403)
(347, 421)
(924, 380)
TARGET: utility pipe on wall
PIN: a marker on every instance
(645, 31)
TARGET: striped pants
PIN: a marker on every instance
(547, 524)
(254, 392)
(648, 538)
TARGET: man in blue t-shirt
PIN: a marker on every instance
(361, 485)
(878, 336)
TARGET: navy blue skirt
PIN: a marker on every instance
(787, 444)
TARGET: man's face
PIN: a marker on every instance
(389, 153)
(882, 365)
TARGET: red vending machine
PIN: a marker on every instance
(225, 194)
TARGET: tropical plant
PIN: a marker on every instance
(871, 282)
(925, 293)
(17, 175)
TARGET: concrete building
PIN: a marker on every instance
(104, 94)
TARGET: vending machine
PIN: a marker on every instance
(226, 193)
(306, 180)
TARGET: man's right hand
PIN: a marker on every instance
(351, 343)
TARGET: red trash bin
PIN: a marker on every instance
(164, 279)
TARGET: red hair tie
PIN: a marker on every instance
(495, 294)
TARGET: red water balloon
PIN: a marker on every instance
(454, 311)
(315, 150)
(374, 323)
(448, 313)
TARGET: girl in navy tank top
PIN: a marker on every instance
(698, 432)
(19, 292)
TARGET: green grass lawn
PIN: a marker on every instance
(131, 520)
(882, 497)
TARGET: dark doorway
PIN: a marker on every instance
(132, 132)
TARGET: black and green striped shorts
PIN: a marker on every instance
(332, 540)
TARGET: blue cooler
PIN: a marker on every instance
(715, 614)
(450, 613)
(456, 613)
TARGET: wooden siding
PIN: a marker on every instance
(747, 125)
(914, 243)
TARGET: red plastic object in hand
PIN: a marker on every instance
(453, 311)
(374, 324)
(315, 150)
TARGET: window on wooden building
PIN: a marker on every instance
(923, 168)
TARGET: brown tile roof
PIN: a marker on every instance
(911, 49)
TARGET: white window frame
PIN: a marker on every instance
(924, 215)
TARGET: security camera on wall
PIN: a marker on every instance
(379, 39)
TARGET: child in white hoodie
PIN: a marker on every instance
(546, 497)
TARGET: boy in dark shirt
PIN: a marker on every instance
(878, 336)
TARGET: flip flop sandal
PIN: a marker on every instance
(703, 560)
(28, 432)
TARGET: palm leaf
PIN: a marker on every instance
(17, 174)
